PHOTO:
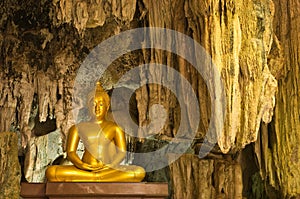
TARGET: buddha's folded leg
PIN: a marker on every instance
(69, 173)
(122, 173)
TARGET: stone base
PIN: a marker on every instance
(63, 190)
(33, 190)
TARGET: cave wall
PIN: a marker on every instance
(41, 51)
(279, 158)
(239, 37)
(43, 44)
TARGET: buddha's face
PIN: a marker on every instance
(100, 107)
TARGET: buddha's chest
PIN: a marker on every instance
(95, 139)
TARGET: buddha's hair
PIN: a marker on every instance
(98, 91)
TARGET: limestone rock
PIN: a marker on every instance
(192, 177)
(41, 152)
(279, 158)
(9, 166)
(92, 13)
(238, 36)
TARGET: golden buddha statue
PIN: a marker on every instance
(101, 159)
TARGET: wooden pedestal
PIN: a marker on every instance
(63, 190)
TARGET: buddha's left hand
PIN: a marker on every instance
(104, 167)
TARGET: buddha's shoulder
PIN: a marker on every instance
(111, 124)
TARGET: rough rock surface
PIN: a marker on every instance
(41, 152)
(9, 166)
(218, 178)
(279, 158)
(238, 35)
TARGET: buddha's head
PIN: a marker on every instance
(99, 102)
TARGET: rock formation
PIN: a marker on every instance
(9, 166)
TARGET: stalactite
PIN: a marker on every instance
(225, 29)
(218, 178)
(278, 147)
(92, 13)
(8, 106)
